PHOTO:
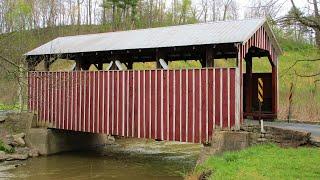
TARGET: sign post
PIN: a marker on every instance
(290, 102)
(260, 98)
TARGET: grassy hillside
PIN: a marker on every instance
(306, 96)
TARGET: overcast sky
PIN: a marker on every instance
(285, 5)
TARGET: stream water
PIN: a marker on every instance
(127, 159)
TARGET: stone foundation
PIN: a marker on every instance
(249, 135)
(51, 141)
(223, 141)
(280, 136)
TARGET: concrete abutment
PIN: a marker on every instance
(52, 141)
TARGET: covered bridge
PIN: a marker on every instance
(180, 104)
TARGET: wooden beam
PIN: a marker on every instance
(100, 66)
(248, 84)
(209, 52)
(275, 88)
(159, 55)
(78, 64)
(46, 63)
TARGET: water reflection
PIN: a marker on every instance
(128, 159)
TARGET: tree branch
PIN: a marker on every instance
(11, 63)
(296, 62)
(306, 76)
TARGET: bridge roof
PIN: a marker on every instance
(220, 32)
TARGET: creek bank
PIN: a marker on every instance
(251, 135)
(13, 129)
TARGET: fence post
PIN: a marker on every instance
(290, 102)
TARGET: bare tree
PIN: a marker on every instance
(309, 20)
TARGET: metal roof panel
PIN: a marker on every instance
(172, 36)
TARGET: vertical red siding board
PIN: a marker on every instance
(61, 93)
(102, 95)
(211, 115)
(130, 120)
(38, 95)
(164, 105)
(43, 97)
(95, 103)
(83, 100)
(88, 101)
(158, 109)
(184, 106)
(225, 99)
(106, 100)
(51, 111)
(61, 101)
(91, 99)
(135, 120)
(29, 91)
(68, 101)
(127, 103)
(147, 104)
(204, 97)
(65, 100)
(77, 113)
(48, 97)
(73, 83)
(34, 91)
(172, 127)
(196, 106)
(119, 93)
(177, 105)
(217, 98)
(40, 107)
(71, 100)
(55, 100)
(58, 105)
(153, 104)
(190, 106)
(142, 104)
(114, 103)
(120, 102)
(232, 97)
(52, 97)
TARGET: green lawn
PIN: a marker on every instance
(265, 162)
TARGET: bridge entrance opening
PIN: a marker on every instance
(259, 65)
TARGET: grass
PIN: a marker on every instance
(265, 162)
(9, 106)
(5, 149)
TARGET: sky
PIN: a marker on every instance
(286, 5)
(285, 8)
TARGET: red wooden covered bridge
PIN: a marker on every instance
(166, 104)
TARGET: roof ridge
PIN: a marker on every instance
(165, 27)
